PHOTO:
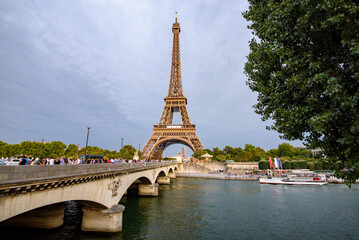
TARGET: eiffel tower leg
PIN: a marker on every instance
(184, 115)
(197, 143)
(148, 147)
(157, 153)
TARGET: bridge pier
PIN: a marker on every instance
(102, 220)
(48, 217)
(148, 189)
(172, 175)
(163, 180)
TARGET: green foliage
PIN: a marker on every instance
(54, 149)
(336, 165)
(295, 165)
(311, 166)
(327, 165)
(127, 152)
(318, 166)
(251, 153)
(305, 153)
(244, 156)
(71, 150)
(304, 64)
(216, 151)
(59, 149)
(198, 153)
(273, 153)
(221, 158)
(285, 149)
(255, 158)
(263, 164)
(208, 151)
(284, 158)
(229, 150)
(303, 164)
(286, 165)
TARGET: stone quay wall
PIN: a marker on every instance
(242, 167)
(208, 167)
(192, 168)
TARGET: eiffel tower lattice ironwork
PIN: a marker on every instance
(165, 133)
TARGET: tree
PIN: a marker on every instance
(295, 165)
(127, 152)
(304, 64)
(221, 158)
(249, 148)
(3, 149)
(71, 150)
(30, 148)
(228, 150)
(198, 153)
(304, 153)
(54, 149)
(217, 152)
(286, 165)
(263, 164)
(311, 166)
(208, 151)
(286, 150)
(244, 156)
(273, 152)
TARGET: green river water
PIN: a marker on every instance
(193, 208)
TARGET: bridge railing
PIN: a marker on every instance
(16, 174)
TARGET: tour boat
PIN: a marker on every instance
(296, 178)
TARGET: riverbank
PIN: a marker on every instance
(219, 176)
(244, 177)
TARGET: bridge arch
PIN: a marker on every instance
(162, 174)
(171, 171)
(95, 190)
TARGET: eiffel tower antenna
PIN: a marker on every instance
(165, 133)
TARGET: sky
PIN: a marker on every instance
(66, 65)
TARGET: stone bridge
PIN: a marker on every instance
(34, 196)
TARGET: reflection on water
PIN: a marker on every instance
(226, 209)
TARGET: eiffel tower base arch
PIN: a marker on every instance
(157, 144)
(162, 144)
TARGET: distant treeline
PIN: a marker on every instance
(303, 164)
(60, 149)
(251, 153)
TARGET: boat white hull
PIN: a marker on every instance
(289, 182)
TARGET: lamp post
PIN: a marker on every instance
(77, 154)
(121, 148)
(87, 140)
(42, 143)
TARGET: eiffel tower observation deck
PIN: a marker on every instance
(165, 133)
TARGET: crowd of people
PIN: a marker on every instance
(64, 161)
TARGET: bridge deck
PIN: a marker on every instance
(11, 176)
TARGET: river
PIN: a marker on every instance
(193, 208)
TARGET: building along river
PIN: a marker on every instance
(193, 208)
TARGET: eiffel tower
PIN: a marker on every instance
(165, 133)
